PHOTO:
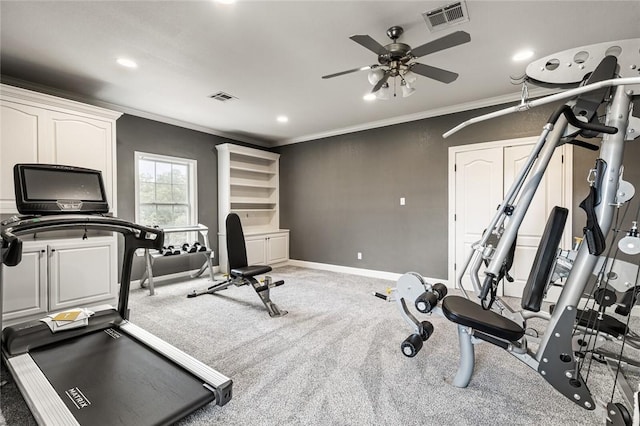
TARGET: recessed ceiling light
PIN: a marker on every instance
(127, 63)
(369, 97)
(225, 1)
(522, 55)
(282, 118)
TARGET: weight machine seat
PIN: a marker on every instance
(465, 312)
(533, 292)
(237, 251)
(250, 271)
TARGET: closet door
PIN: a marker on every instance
(482, 174)
(478, 183)
(550, 194)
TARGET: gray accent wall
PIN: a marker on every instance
(139, 134)
(340, 195)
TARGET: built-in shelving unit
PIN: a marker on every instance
(248, 183)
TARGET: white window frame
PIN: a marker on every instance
(192, 185)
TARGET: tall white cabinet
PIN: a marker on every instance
(248, 184)
(58, 271)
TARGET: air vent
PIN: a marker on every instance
(222, 97)
(446, 16)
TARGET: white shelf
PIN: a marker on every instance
(248, 185)
(253, 170)
(248, 210)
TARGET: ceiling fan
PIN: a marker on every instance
(397, 59)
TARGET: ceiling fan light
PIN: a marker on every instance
(410, 77)
(369, 97)
(375, 76)
(407, 91)
(384, 93)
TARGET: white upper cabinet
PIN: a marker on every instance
(37, 128)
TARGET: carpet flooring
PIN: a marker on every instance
(335, 360)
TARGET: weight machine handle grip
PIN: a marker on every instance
(573, 120)
(486, 286)
(11, 249)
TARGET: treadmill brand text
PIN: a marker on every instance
(78, 398)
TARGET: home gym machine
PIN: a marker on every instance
(105, 370)
(240, 272)
(607, 75)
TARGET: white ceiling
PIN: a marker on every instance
(271, 56)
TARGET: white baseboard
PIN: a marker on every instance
(372, 273)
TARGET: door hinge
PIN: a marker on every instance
(455, 217)
(562, 158)
(455, 266)
(455, 168)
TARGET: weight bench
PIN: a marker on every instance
(486, 325)
(240, 273)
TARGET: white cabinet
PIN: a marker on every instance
(268, 248)
(25, 285)
(56, 273)
(59, 274)
(38, 128)
(248, 184)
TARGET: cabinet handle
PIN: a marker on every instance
(43, 251)
(52, 250)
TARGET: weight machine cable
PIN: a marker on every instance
(591, 299)
(633, 299)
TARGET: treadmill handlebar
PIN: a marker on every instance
(139, 236)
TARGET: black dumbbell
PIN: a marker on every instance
(166, 251)
(199, 247)
(189, 248)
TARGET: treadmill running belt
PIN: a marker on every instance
(109, 378)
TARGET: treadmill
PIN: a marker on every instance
(110, 371)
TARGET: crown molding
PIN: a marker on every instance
(538, 92)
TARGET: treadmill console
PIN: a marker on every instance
(43, 189)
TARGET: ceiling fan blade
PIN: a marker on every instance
(382, 81)
(451, 40)
(369, 43)
(434, 73)
(348, 71)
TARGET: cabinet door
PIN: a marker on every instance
(82, 273)
(277, 248)
(256, 250)
(22, 125)
(25, 285)
(84, 142)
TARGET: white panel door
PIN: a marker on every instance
(83, 142)
(22, 126)
(550, 194)
(278, 248)
(478, 183)
(81, 273)
(25, 285)
(256, 250)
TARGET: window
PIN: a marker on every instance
(166, 190)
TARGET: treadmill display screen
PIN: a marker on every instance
(51, 189)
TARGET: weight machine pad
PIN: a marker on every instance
(465, 312)
(250, 271)
(533, 292)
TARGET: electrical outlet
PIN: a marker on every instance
(359, 256)
(402, 201)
